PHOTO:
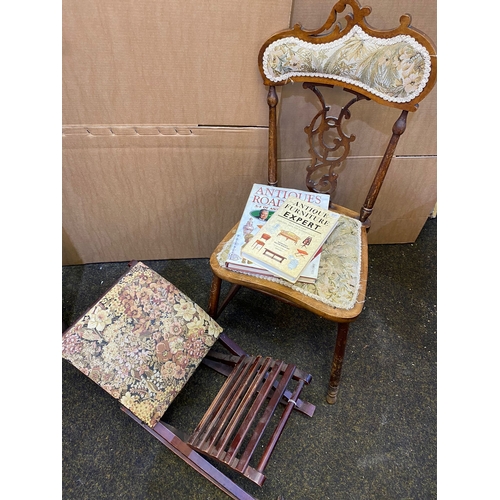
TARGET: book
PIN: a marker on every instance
(262, 199)
(287, 242)
(309, 275)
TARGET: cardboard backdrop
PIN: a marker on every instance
(164, 126)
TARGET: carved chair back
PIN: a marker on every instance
(395, 68)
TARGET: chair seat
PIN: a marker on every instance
(339, 290)
(141, 342)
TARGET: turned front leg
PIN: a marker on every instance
(338, 359)
(213, 301)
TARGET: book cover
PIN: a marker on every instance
(261, 204)
(309, 274)
(291, 238)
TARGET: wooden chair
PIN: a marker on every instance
(143, 340)
(394, 68)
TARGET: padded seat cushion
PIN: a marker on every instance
(339, 270)
(141, 342)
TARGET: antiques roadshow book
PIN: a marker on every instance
(287, 242)
(261, 204)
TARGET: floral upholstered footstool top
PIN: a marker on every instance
(141, 342)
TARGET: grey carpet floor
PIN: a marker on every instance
(377, 442)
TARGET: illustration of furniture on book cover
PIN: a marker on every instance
(288, 235)
(142, 341)
(274, 255)
(393, 68)
(306, 242)
(301, 253)
(260, 243)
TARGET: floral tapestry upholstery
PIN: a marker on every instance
(141, 342)
(395, 69)
(339, 273)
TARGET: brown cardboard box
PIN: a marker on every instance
(170, 62)
(141, 178)
(164, 123)
(124, 198)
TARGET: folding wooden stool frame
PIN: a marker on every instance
(236, 421)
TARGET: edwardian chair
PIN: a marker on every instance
(394, 68)
(143, 340)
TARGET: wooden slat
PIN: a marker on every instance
(239, 405)
(279, 428)
(261, 426)
(244, 408)
(208, 421)
(276, 368)
(217, 417)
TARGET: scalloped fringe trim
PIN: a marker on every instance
(355, 31)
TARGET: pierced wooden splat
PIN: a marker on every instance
(327, 151)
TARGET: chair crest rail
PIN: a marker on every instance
(394, 67)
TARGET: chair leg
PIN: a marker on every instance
(338, 358)
(213, 301)
(213, 304)
(232, 292)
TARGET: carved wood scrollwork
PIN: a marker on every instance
(328, 144)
